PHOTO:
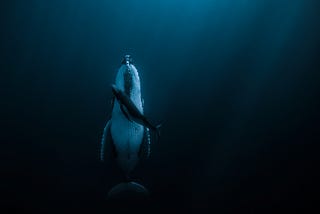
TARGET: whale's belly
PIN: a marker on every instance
(127, 138)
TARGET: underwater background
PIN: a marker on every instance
(236, 82)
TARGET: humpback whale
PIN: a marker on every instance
(126, 136)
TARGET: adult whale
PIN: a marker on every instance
(123, 139)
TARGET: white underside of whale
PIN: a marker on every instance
(127, 135)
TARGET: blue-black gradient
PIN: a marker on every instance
(236, 82)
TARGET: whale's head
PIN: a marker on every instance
(128, 81)
(128, 78)
(128, 74)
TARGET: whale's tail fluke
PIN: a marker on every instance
(128, 191)
(128, 197)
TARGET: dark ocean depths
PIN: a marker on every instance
(236, 82)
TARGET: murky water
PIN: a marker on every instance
(236, 83)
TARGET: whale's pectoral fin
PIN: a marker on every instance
(125, 112)
(145, 148)
(107, 149)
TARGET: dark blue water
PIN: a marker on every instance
(236, 82)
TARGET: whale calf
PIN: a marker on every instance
(131, 112)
